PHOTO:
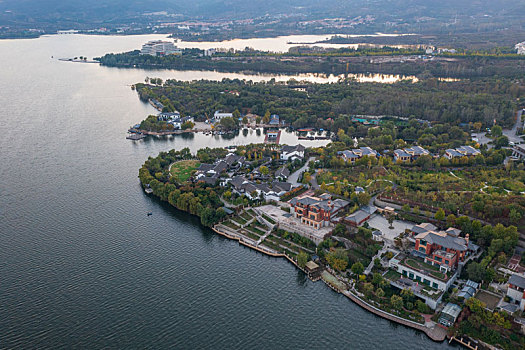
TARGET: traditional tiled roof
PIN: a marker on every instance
(281, 186)
(424, 227)
(282, 172)
(290, 149)
(444, 240)
(517, 280)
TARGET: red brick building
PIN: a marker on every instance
(443, 248)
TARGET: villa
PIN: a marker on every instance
(358, 153)
(316, 212)
(463, 151)
(291, 153)
(409, 154)
(516, 290)
(444, 249)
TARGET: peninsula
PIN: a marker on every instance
(356, 219)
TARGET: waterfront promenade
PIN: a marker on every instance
(430, 328)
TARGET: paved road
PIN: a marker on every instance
(295, 176)
(510, 133)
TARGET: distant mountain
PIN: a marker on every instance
(29, 13)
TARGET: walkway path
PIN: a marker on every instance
(295, 175)
(378, 255)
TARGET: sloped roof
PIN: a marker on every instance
(283, 171)
(444, 240)
(517, 280)
(290, 149)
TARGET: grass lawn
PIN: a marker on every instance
(183, 169)
(392, 275)
(246, 216)
(432, 270)
(239, 220)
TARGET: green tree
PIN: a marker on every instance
(440, 215)
(368, 288)
(264, 170)
(357, 268)
(266, 118)
(187, 125)
(396, 301)
(377, 279)
(451, 220)
(475, 271)
(514, 216)
(338, 259)
(380, 292)
(236, 114)
(302, 259)
(496, 131)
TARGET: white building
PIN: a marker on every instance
(210, 52)
(219, 115)
(160, 48)
(516, 290)
(520, 47)
(290, 153)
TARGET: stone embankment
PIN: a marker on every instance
(434, 332)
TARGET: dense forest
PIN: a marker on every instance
(468, 65)
(322, 105)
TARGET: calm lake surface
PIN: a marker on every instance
(82, 266)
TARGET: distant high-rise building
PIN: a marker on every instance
(520, 47)
(160, 48)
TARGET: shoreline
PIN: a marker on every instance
(436, 334)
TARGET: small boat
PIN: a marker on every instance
(150, 213)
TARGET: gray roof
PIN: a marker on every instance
(453, 231)
(424, 227)
(370, 209)
(290, 149)
(220, 166)
(517, 280)
(358, 216)
(281, 186)
(204, 167)
(452, 310)
(237, 182)
(453, 153)
(233, 158)
(322, 204)
(417, 150)
(467, 292)
(444, 240)
(282, 172)
(401, 153)
(210, 180)
(472, 284)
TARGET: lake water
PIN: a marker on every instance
(82, 266)
(68, 46)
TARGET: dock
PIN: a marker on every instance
(135, 137)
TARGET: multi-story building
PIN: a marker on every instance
(358, 153)
(409, 154)
(463, 151)
(442, 248)
(160, 48)
(290, 153)
(516, 290)
(316, 212)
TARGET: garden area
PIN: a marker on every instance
(424, 267)
(182, 170)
